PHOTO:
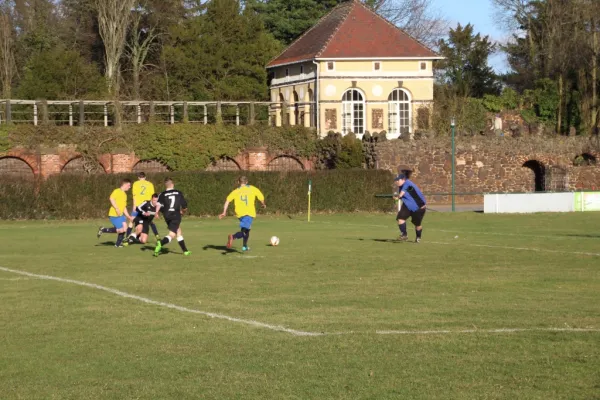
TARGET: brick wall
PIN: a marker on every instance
(49, 161)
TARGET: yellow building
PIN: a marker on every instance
(354, 72)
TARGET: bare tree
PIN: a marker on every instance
(137, 48)
(113, 21)
(417, 17)
(7, 57)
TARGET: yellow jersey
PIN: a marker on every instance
(142, 190)
(120, 198)
(244, 198)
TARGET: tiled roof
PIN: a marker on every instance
(351, 30)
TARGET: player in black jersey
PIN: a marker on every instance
(143, 220)
(172, 205)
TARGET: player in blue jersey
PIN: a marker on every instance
(414, 206)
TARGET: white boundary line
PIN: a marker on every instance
(489, 246)
(162, 304)
(462, 243)
(558, 236)
(279, 328)
(501, 330)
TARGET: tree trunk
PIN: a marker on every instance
(532, 60)
(7, 58)
(594, 111)
(586, 102)
(136, 83)
(113, 22)
(560, 104)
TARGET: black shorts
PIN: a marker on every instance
(137, 220)
(145, 226)
(416, 217)
(173, 224)
(144, 222)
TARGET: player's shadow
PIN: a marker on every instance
(223, 249)
(587, 235)
(106, 244)
(164, 250)
(379, 240)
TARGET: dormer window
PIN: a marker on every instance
(330, 66)
(376, 66)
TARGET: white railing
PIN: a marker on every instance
(110, 113)
(293, 78)
(104, 112)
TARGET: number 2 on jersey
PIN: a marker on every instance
(143, 191)
(244, 199)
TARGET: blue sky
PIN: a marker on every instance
(480, 13)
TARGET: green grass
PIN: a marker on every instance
(338, 274)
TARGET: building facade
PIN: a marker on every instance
(354, 72)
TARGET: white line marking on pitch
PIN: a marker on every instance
(489, 246)
(501, 330)
(280, 328)
(162, 304)
(242, 256)
(558, 236)
(462, 243)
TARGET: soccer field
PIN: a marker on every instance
(486, 307)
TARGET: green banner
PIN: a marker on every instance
(587, 201)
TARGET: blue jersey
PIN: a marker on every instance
(413, 197)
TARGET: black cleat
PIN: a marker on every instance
(403, 238)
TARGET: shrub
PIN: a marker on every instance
(180, 147)
(79, 197)
(340, 152)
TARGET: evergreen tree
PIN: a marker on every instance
(60, 74)
(220, 54)
(288, 19)
(465, 66)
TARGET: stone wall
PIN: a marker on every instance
(489, 165)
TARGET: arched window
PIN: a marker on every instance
(309, 109)
(15, 168)
(285, 163)
(81, 166)
(353, 112)
(399, 113)
(151, 166)
(539, 175)
(297, 110)
(224, 164)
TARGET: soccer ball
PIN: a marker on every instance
(274, 241)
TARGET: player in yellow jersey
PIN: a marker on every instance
(142, 191)
(117, 213)
(244, 198)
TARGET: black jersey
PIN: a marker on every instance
(171, 203)
(146, 207)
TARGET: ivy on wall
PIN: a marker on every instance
(179, 147)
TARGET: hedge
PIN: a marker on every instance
(68, 196)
